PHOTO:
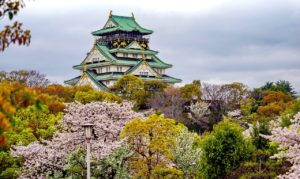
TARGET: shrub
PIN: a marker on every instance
(224, 149)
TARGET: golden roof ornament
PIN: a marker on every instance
(143, 56)
(94, 46)
(110, 13)
(84, 67)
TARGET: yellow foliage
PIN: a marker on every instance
(152, 140)
(14, 96)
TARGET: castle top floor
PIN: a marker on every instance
(123, 25)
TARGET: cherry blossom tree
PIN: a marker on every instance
(45, 158)
(289, 145)
(199, 115)
(187, 153)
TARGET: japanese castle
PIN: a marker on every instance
(121, 47)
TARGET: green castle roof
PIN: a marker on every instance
(123, 23)
(91, 76)
(136, 51)
(155, 62)
(115, 76)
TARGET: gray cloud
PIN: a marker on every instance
(249, 42)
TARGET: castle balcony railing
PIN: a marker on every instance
(121, 37)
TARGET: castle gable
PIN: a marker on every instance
(109, 24)
(95, 56)
(85, 80)
(134, 45)
(143, 69)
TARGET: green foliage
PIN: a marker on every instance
(116, 165)
(131, 88)
(224, 149)
(135, 89)
(9, 166)
(260, 174)
(30, 124)
(76, 164)
(94, 95)
(128, 86)
(258, 141)
(281, 85)
(191, 91)
(286, 117)
(168, 173)
(154, 86)
(248, 105)
(260, 167)
(289, 113)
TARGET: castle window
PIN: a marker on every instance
(126, 55)
(144, 73)
(134, 55)
(160, 71)
(119, 69)
(95, 59)
(108, 69)
(100, 70)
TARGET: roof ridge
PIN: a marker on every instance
(122, 16)
(100, 85)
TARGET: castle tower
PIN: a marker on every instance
(121, 47)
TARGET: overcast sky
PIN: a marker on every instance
(217, 41)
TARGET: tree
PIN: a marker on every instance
(276, 97)
(48, 156)
(30, 78)
(191, 91)
(168, 102)
(14, 33)
(223, 149)
(187, 153)
(113, 166)
(213, 95)
(116, 165)
(131, 88)
(128, 86)
(65, 92)
(154, 86)
(276, 102)
(281, 85)
(32, 123)
(289, 145)
(9, 166)
(94, 95)
(199, 115)
(152, 141)
(75, 166)
(12, 97)
(223, 98)
(26, 116)
(234, 93)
